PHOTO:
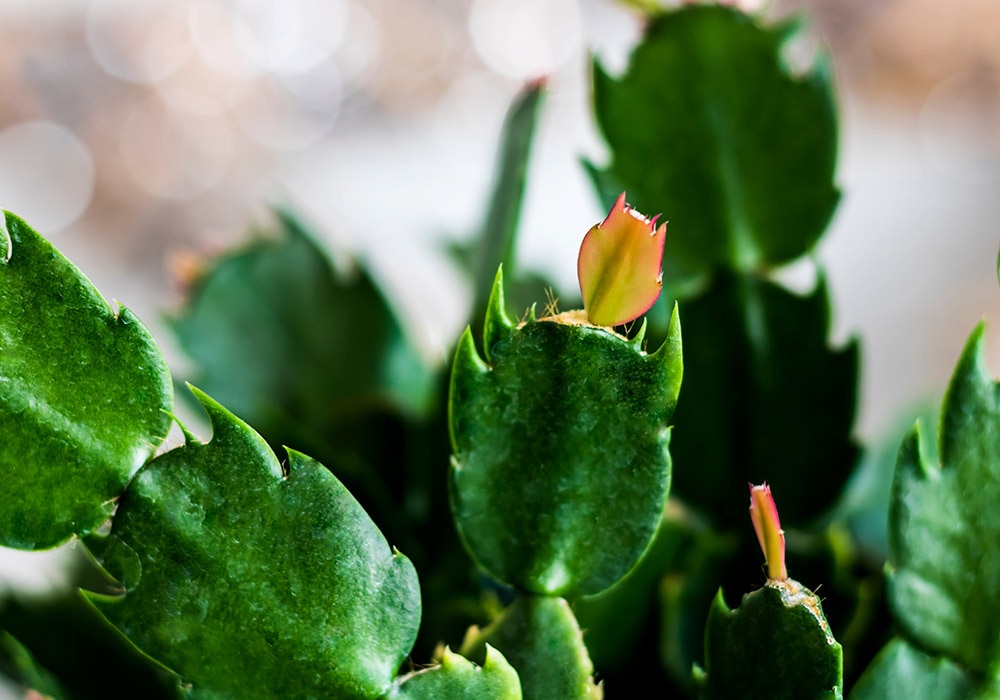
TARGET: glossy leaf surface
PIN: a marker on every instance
(944, 525)
(765, 398)
(560, 467)
(540, 638)
(457, 678)
(776, 645)
(83, 395)
(254, 583)
(710, 126)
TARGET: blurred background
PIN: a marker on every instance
(142, 136)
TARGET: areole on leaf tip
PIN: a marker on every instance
(619, 266)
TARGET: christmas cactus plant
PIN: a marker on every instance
(534, 519)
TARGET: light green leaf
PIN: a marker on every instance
(776, 645)
(457, 678)
(84, 393)
(944, 525)
(560, 435)
(254, 582)
(540, 638)
(711, 127)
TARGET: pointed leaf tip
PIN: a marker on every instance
(497, 322)
(764, 515)
(619, 266)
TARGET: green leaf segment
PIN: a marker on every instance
(215, 541)
(699, 128)
(560, 467)
(457, 678)
(84, 395)
(776, 645)
(541, 638)
(944, 564)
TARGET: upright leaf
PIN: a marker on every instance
(776, 645)
(711, 126)
(314, 359)
(944, 525)
(84, 393)
(251, 582)
(271, 329)
(560, 467)
(764, 397)
(495, 244)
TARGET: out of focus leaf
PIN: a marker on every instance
(901, 671)
(764, 399)
(711, 127)
(944, 525)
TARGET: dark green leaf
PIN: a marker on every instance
(541, 639)
(74, 646)
(19, 667)
(255, 583)
(776, 645)
(294, 347)
(944, 525)
(764, 399)
(458, 679)
(710, 127)
(84, 393)
(315, 360)
(561, 466)
(900, 671)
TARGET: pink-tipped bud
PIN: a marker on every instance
(766, 524)
(620, 266)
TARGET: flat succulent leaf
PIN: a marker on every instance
(776, 645)
(901, 671)
(254, 583)
(83, 395)
(271, 329)
(711, 127)
(944, 525)
(560, 468)
(457, 678)
(313, 358)
(540, 638)
(765, 398)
